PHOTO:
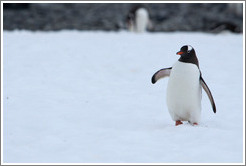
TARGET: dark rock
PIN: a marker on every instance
(16, 6)
(205, 17)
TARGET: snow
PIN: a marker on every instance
(87, 97)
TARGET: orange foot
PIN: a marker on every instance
(195, 124)
(178, 122)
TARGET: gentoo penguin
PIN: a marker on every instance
(138, 19)
(184, 90)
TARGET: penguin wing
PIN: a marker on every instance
(205, 87)
(160, 74)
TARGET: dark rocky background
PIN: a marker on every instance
(206, 17)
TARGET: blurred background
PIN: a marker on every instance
(77, 82)
(164, 17)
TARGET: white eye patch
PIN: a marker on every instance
(189, 48)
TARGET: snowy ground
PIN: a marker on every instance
(87, 97)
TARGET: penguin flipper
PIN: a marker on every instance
(160, 74)
(205, 87)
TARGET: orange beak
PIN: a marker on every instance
(179, 53)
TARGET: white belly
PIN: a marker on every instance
(184, 92)
(142, 19)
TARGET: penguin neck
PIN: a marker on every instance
(192, 59)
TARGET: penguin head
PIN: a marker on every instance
(186, 51)
(188, 55)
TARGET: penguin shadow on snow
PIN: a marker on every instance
(186, 124)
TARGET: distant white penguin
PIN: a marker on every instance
(138, 20)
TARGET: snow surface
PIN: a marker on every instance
(87, 97)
